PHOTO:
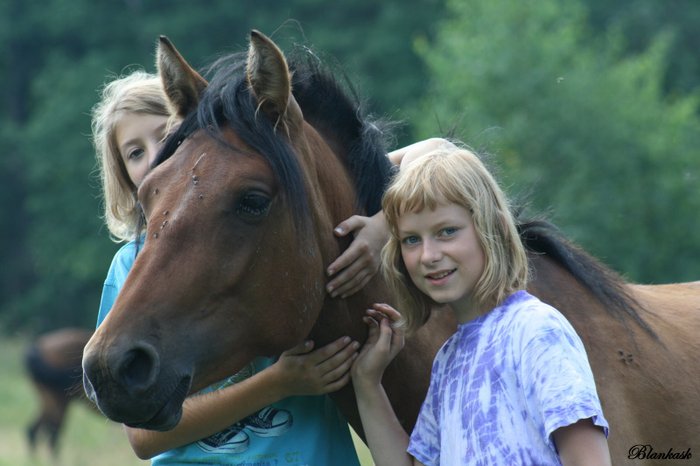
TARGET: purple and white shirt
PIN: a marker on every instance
(501, 385)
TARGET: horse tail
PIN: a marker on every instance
(60, 379)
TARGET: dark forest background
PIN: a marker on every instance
(588, 111)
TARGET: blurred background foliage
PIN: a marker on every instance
(588, 109)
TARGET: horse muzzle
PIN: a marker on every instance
(128, 385)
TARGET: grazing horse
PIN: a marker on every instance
(240, 209)
(53, 362)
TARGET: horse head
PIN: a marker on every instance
(240, 209)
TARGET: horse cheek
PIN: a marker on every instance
(295, 292)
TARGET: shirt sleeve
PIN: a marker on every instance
(424, 444)
(118, 270)
(555, 367)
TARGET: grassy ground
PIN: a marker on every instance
(88, 439)
(86, 436)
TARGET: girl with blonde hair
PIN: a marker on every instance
(513, 385)
(138, 93)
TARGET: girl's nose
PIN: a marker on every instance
(431, 252)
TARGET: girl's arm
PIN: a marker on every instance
(360, 261)
(297, 372)
(582, 444)
(386, 438)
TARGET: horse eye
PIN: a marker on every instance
(253, 205)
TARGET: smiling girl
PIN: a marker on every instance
(513, 385)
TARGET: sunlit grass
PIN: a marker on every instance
(87, 439)
(362, 451)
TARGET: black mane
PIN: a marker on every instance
(541, 237)
(334, 113)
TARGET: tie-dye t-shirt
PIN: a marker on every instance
(501, 385)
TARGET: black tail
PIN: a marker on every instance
(61, 379)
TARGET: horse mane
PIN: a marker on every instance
(541, 237)
(332, 107)
(228, 100)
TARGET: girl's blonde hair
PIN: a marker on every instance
(446, 176)
(138, 92)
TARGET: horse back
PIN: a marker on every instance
(673, 313)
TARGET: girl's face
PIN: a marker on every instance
(443, 256)
(139, 136)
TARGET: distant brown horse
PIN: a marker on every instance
(240, 214)
(53, 362)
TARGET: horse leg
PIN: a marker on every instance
(36, 428)
(32, 431)
(53, 411)
(56, 424)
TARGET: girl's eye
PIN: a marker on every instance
(410, 240)
(448, 231)
(134, 154)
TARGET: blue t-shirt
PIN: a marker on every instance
(297, 431)
(501, 385)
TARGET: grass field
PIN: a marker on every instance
(88, 439)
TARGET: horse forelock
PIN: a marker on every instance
(541, 237)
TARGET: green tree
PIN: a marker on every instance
(585, 130)
(640, 21)
(58, 53)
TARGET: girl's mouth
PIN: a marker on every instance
(440, 276)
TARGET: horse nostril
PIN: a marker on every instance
(138, 368)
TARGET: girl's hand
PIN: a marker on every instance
(407, 154)
(384, 342)
(301, 371)
(360, 261)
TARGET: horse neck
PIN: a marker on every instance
(331, 189)
(334, 200)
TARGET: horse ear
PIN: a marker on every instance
(269, 77)
(182, 84)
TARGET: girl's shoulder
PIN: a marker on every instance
(128, 251)
(522, 306)
(129, 247)
(530, 319)
(124, 258)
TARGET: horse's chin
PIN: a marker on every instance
(167, 417)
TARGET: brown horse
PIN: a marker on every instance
(240, 212)
(53, 362)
